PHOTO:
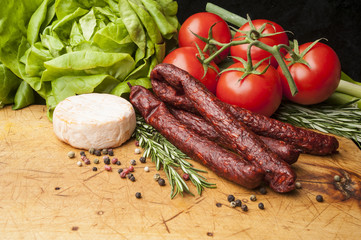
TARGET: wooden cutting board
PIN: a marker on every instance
(45, 195)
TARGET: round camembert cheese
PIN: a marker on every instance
(94, 120)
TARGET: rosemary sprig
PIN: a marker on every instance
(165, 155)
(343, 120)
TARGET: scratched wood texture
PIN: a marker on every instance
(45, 195)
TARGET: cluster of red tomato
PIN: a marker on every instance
(261, 93)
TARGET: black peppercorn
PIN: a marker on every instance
(133, 162)
(238, 203)
(106, 160)
(142, 159)
(261, 205)
(138, 195)
(319, 198)
(118, 163)
(244, 207)
(161, 181)
(129, 175)
(95, 169)
(110, 152)
(263, 190)
(132, 178)
(97, 153)
(120, 170)
(230, 198)
(82, 153)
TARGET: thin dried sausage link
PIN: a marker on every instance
(221, 161)
(278, 173)
(305, 140)
(196, 123)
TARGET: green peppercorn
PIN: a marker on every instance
(138, 195)
(156, 176)
(337, 178)
(92, 151)
(261, 205)
(230, 198)
(319, 198)
(96, 161)
(298, 185)
(161, 182)
(71, 154)
(253, 198)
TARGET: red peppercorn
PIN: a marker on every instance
(114, 160)
(131, 168)
(123, 174)
(107, 168)
(186, 177)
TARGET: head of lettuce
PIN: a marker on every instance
(53, 49)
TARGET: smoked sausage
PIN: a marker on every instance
(221, 161)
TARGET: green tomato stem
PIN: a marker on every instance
(226, 15)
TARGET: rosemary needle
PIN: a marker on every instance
(344, 120)
(166, 156)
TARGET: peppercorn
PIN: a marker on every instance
(161, 182)
(133, 162)
(120, 170)
(83, 157)
(238, 203)
(132, 178)
(57, 188)
(156, 176)
(95, 169)
(110, 152)
(298, 185)
(263, 190)
(71, 154)
(114, 160)
(108, 168)
(131, 168)
(142, 159)
(136, 143)
(253, 198)
(129, 175)
(337, 178)
(86, 161)
(79, 163)
(233, 204)
(92, 151)
(137, 151)
(82, 153)
(96, 161)
(104, 151)
(138, 195)
(186, 177)
(146, 169)
(123, 174)
(97, 153)
(106, 160)
(261, 205)
(230, 198)
(319, 198)
(244, 207)
(118, 163)
(219, 204)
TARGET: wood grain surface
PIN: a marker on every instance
(45, 195)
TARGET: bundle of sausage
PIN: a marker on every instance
(208, 120)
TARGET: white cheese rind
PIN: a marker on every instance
(94, 120)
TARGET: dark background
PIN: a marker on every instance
(336, 20)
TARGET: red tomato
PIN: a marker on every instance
(258, 54)
(259, 93)
(186, 59)
(317, 82)
(200, 23)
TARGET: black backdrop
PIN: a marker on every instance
(339, 21)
